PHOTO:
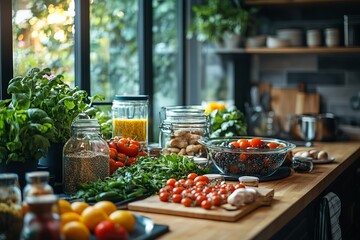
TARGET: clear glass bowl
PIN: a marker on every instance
(236, 162)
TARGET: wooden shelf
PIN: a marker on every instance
(286, 2)
(292, 50)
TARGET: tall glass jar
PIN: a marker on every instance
(130, 117)
(180, 129)
(10, 207)
(40, 222)
(85, 154)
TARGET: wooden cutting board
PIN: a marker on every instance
(283, 102)
(307, 103)
(154, 205)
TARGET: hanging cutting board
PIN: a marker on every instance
(154, 205)
(283, 102)
(307, 103)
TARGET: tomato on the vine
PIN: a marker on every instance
(206, 204)
(171, 182)
(164, 196)
(201, 179)
(112, 144)
(186, 202)
(192, 176)
(113, 153)
(128, 147)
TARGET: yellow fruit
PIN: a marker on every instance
(123, 217)
(76, 231)
(64, 206)
(107, 206)
(69, 217)
(91, 216)
(79, 207)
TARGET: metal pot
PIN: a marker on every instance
(326, 126)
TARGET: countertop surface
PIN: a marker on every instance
(292, 195)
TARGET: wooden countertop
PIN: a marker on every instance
(292, 195)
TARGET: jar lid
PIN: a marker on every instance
(84, 121)
(183, 114)
(42, 199)
(37, 176)
(7, 179)
(131, 97)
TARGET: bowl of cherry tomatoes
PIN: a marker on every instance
(247, 156)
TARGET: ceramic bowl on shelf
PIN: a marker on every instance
(275, 42)
(259, 160)
(255, 41)
(294, 36)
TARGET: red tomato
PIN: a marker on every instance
(189, 183)
(171, 182)
(130, 160)
(186, 202)
(199, 199)
(176, 198)
(192, 176)
(128, 147)
(216, 200)
(235, 144)
(178, 190)
(113, 153)
(272, 145)
(201, 179)
(256, 143)
(164, 196)
(112, 144)
(107, 230)
(243, 143)
(206, 204)
(114, 165)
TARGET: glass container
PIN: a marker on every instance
(40, 222)
(85, 154)
(130, 117)
(10, 207)
(180, 129)
(37, 184)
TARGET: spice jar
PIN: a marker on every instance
(85, 154)
(40, 222)
(180, 129)
(130, 117)
(37, 184)
(10, 207)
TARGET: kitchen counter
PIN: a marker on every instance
(293, 195)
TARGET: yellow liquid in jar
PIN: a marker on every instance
(133, 128)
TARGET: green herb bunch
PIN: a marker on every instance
(41, 89)
(227, 122)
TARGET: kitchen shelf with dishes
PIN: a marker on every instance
(292, 50)
(282, 2)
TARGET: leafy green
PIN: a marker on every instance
(147, 176)
(41, 89)
(227, 122)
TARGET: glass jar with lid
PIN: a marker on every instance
(130, 117)
(180, 129)
(85, 154)
(40, 222)
(37, 184)
(10, 207)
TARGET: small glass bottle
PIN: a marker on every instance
(85, 154)
(180, 129)
(130, 117)
(10, 207)
(40, 222)
(37, 184)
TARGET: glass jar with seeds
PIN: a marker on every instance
(85, 154)
(10, 207)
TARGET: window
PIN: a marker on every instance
(43, 36)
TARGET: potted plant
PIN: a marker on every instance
(38, 116)
(219, 21)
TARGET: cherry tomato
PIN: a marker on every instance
(189, 183)
(243, 143)
(178, 190)
(243, 157)
(114, 165)
(186, 202)
(164, 196)
(272, 145)
(176, 198)
(180, 183)
(199, 199)
(192, 176)
(216, 200)
(256, 143)
(235, 144)
(129, 161)
(171, 182)
(206, 204)
(107, 230)
(201, 179)
(128, 147)
(121, 157)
